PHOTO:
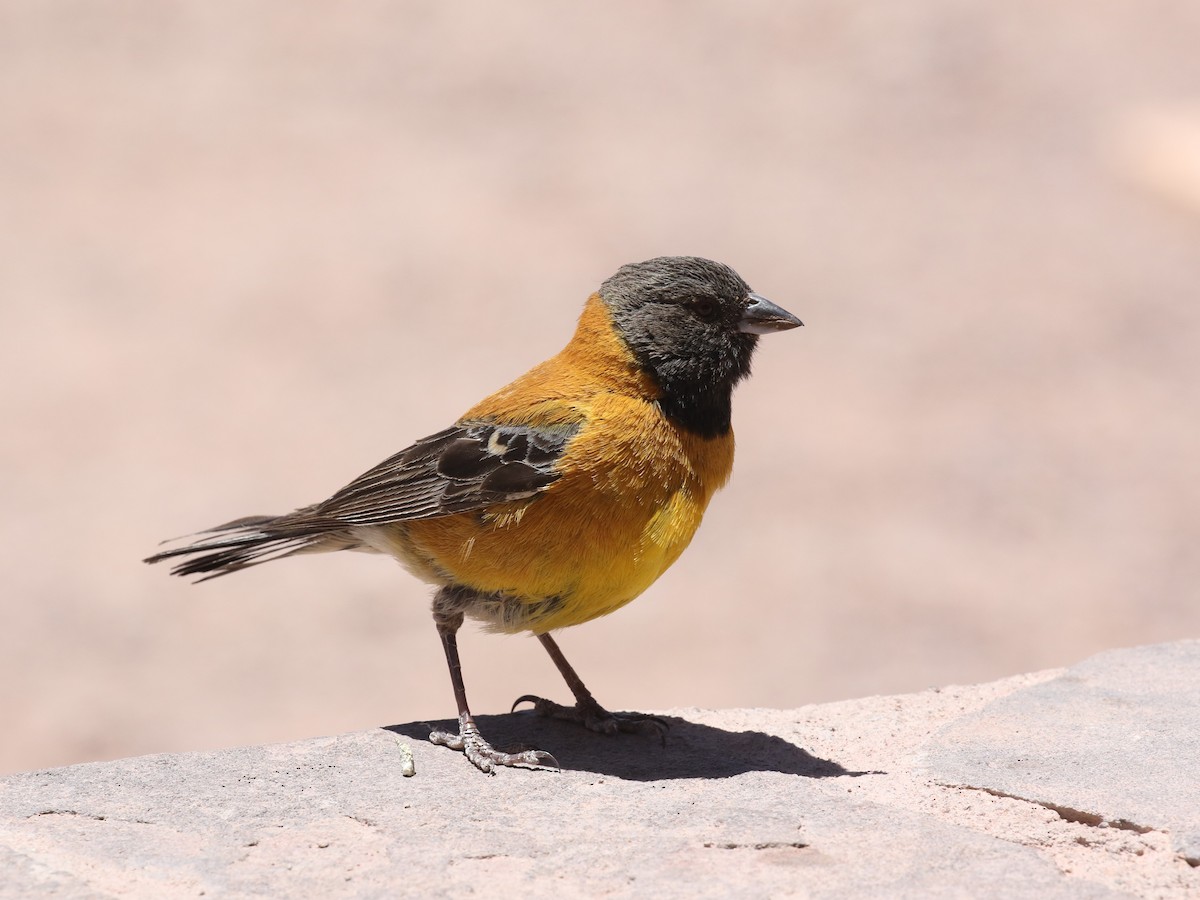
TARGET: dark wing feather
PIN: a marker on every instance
(466, 467)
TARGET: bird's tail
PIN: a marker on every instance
(252, 540)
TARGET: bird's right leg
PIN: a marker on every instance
(586, 711)
(448, 617)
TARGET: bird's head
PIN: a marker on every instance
(693, 325)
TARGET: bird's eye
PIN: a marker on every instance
(706, 309)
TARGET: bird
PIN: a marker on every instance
(559, 498)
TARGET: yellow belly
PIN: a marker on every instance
(627, 505)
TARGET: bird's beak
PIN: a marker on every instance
(762, 317)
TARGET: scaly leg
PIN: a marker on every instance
(586, 711)
(469, 740)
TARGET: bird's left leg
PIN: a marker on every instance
(469, 740)
(587, 711)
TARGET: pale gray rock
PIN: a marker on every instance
(1113, 741)
(823, 801)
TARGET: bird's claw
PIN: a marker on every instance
(483, 755)
(595, 717)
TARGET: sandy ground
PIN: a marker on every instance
(247, 251)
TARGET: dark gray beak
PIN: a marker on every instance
(762, 317)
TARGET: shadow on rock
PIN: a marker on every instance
(691, 750)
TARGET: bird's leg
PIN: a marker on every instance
(587, 711)
(469, 740)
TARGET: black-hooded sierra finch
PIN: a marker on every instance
(560, 497)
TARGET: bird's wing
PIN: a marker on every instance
(469, 466)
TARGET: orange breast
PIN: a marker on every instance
(632, 491)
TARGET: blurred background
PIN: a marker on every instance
(249, 250)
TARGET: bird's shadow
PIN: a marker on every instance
(690, 750)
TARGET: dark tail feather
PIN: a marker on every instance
(249, 542)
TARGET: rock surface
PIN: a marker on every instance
(1071, 783)
(1113, 742)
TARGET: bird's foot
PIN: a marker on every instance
(594, 717)
(483, 755)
